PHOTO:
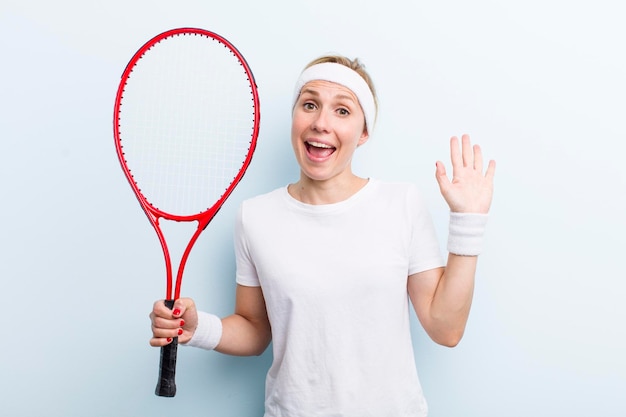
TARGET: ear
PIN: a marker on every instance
(364, 137)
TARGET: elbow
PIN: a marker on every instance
(260, 350)
(447, 331)
(262, 346)
(450, 343)
(448, 339)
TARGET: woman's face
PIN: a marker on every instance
(328, 125)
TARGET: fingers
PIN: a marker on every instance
(467, 151)
(468, 190)
(491, 170)
(463, 157)
(470, 156)
(164, 331)
(441, 175)
(159, 309)
(455, 155)
(168, 324)
(466, 156)
(478, 158)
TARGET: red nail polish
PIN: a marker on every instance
(180, 331)
(182, 323)
(169, 339)
(176, 311)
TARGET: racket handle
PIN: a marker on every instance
(166, 386)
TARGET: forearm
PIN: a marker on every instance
(243, 337)
(232, 335)
(247, 332)
(445, 308)
(452, 300)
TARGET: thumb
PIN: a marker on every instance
(441, 176)
(181, 306)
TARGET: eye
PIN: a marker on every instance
(343, 111)
(308, 105)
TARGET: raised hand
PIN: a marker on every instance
(469, 191)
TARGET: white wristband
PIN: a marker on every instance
(466, 233)
(208, 333)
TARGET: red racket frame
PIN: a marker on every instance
(154, 214)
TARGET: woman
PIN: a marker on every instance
(325, 264)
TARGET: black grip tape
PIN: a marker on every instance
(167, 368)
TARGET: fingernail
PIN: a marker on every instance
(176, 311)
(182, 323)
(180, 331)
(169, 339)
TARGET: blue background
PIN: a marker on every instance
(539, 84)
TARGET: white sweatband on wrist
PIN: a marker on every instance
(208, 333)
(465, 236)
(340, 74)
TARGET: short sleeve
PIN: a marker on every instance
(246, 271)
(425, 252)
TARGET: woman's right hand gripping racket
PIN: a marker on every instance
(186, 122)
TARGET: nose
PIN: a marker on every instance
(321, 122)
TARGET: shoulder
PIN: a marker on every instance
(265, 205)
(269, 198)
(390, 189)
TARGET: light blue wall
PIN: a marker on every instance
(540, 84)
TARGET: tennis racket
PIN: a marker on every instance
(186, 121)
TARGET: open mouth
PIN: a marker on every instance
(319, 150)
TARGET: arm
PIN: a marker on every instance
(442, 297)
(246, 332)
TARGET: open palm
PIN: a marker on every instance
(469, 191)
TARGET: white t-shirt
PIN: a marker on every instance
(334, 278)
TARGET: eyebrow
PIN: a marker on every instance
(339, 96)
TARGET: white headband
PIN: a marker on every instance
(340, 74)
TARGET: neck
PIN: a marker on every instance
(310, 191)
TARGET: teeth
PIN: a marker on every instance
(320, 145)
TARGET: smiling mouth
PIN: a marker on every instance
(319, 150)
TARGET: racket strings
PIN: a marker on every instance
(186, 123)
